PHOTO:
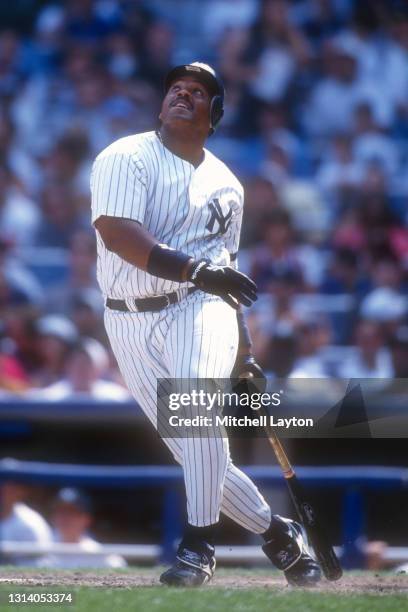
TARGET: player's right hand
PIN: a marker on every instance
(232, 286)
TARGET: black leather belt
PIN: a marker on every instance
(152, 304)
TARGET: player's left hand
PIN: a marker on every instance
(232, 286)
(247, 368)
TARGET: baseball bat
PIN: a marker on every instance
(315, 531)
(307, 514)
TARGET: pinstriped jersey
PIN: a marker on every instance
(194, 210)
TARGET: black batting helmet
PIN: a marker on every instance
(209, 78)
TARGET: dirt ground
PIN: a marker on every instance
(235, 579)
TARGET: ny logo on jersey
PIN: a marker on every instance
(217, 215)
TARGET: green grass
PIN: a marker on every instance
(155, 599)
(346, 596)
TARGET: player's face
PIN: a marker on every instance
(187, 100)
(71, 522)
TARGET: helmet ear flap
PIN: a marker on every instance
(216, 112)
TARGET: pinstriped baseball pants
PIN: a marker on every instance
(195, 338)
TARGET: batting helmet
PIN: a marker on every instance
(208, 77)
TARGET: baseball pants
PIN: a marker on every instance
(195, 338)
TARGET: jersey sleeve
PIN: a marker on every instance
(234, 232)
(118, 187)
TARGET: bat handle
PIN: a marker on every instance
(287, 469)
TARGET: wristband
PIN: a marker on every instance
(195, 269)
(167, 263)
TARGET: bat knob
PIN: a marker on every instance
(246, 375)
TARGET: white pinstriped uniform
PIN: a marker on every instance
(198, 211)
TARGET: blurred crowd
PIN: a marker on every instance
(316, 127)
(70, 517)
(41, 520)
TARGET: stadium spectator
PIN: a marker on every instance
(221, 16)
(344, 275)
(333, 101)
(86, 311)
(270, 55)
(83, 375)
(278, 249)
(278, 166)
(386, 272)
(371, 359)
(386, 303)
(361, 34)
(81, 273)
(371, 144)
(55, 336)
(311, 221)
(20, 523)
(371, 225)
(19, 161)
(13, 378)
(345, 278)
(312, 338)
(71, 519)
(60, 219)
(380, 51)
(19, 216)
(283, 285)
(260, 198)
(86, 21)
(280, 354)
(348, 233)
(274, 124)
(339, 175)
(68, 163)
(10, 294)
(19, 332)
(92, 95)
(319, 19)
(275, 314)
(386, 307)
(48, 39)
(11, 62)
(157, 51)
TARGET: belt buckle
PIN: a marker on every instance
(162, 302)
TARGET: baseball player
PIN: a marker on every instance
(167, 215)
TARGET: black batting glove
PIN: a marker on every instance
(232, 286)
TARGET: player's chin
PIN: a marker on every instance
(179, 113)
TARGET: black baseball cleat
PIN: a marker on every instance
(192, 568)
(285, 546)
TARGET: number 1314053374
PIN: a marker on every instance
(30, 597)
